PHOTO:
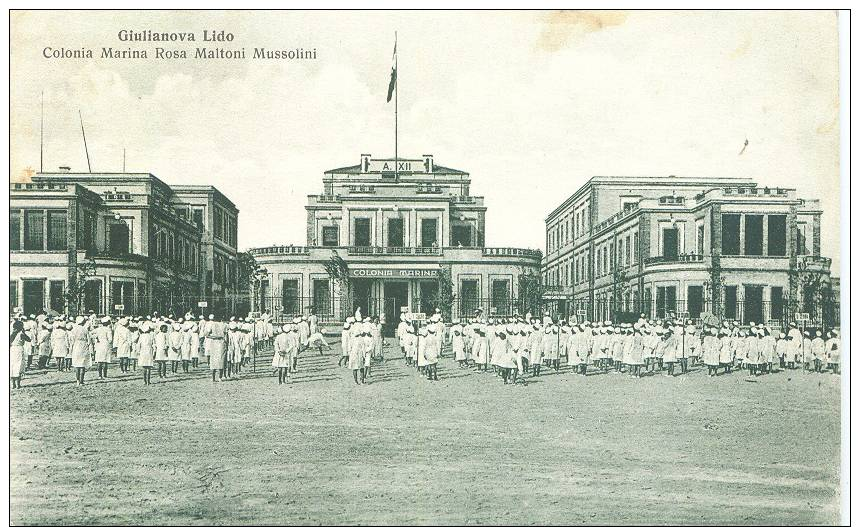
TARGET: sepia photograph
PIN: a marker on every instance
(428, 267)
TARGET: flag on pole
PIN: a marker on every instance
(393, 80)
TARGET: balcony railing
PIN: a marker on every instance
(677, 258)
(814, 263)
(364, 251)
(354, 250)
(511, 251)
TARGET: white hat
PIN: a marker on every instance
(211, 316)
(105, 320)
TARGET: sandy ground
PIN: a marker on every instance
(559, 449)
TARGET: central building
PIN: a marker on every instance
(391, 236)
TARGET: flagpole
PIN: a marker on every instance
(396, 175)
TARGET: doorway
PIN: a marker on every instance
(396, 296)
(753, 304)
(34, 296)
(362, 297)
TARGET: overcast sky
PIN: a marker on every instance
(532, 104)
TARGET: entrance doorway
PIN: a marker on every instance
(34, 296)
(396, 296)
(429, 293)
(362, 293)
(753, 304)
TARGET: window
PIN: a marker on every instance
(777, 305)
(731, 307)
(395, 232)
(700, 238)
(87, 231)
(57, 230)
(670, 243)
(776, 235)
(34, 230)
(429, 232)
(753, 234)
(801, 239)
(462, 235)
(635, 247)
(93, 296)
(118, 238)
(290, 295)
(219, 224)
(182, 212)
(197, 218)
(362, 232)
(605, 260)
(14, 230)
(330, 236)
(56, 300)
(122, 293)
(666, 300)
(502, 295)
(469, 296)
(695, 301)
(13, 294)
(627, 251)
(731, 234)
(630, 205)
(322, 297)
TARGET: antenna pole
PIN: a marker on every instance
(123, 160)
(89, 167)
(42, 136)
(397, 73)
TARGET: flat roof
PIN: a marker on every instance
(657, 181)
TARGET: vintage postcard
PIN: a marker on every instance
(427, 267)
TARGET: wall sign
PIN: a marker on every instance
(394, 273)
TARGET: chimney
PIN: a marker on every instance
(365, 163)
(428, 163)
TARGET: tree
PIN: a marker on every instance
(338, 271)
(531, 290)
(818, 298)
(76, 290)
(248, 270)
(445, 295)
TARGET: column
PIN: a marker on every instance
(743, 234)
(764, 249)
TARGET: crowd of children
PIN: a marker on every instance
(512, 347)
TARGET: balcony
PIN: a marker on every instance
(493, 254)
(671, 259)
(383, 251)
(815, 264)
(511, 251)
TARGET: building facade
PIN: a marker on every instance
(119, 243)
(404, 237)
(720, 247)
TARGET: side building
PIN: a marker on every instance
(723, 247)
(388, 241)
(120, 243)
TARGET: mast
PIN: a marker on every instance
(42, 136)
(397, 74)
(89, 167)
